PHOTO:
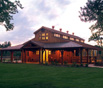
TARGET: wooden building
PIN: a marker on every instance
(51, 45)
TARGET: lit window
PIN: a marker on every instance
(56, 35)
(46, 38)
(71, 38)
(82, 41)
(43, 34)
(37, 52)
(49, 52)
(46, 34)
(77, 40)
(65, 37)
(43, 38)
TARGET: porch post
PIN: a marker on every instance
(22, 56)
(87, 56)
(12, 56)
(39, 56)
(81, 55)
(1, 55)
(62, 56)
(42, 55)
(25, 56)
(45, 55)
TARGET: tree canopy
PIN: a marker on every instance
(7, 9)
(93, 12)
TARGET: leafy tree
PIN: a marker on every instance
(93, 12)
(7, 9)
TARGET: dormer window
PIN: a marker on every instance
(43, 36)
(77, 40)
(57, 35)
(82, 41)
(71, 38)
(65, 37)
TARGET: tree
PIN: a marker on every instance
(7, 9)
(93, 12)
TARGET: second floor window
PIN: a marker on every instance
(43, 36)
(65, 37)
(57, 35)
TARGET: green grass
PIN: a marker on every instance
(39, 76)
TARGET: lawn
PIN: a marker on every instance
(39, 76)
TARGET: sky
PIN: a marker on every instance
(36, 13)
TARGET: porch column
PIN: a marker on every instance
(81, 55)
(62, 56)
(87, 56)
(39, 56)
(22, 56)
(1, 55)
(25, 56)
(12, 56)
(42, 55)
(45, 55)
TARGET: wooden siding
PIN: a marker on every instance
(51, 37)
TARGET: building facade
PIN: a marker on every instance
(50, 45)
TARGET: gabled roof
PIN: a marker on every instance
(58, 32)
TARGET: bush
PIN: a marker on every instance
(52, 62)
(46, 63)
(74, 64)
(65, 62)
(99, 63)
(86, 65)
(77, 65)
(81, 65)
(56, 62)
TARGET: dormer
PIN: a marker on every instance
(50, 35)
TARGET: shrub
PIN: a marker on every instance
(86, 65)
(52, 62)
(56, 62)
(74, 64)
(77, 65)
(99, 63)
(46, 63)
(65, 62)
(81, 65)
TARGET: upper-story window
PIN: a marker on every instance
(71, 38)
(57, 35)
(43, 36)
(77, 40)
(65, 37)
(82, 41)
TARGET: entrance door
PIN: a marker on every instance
(45, 56)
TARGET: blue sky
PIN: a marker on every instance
(36, 13)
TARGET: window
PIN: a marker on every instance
(82, 41)
(43, 36)
(71, 38)
(49, 52)
(56, 35)
(77, 40)
(37, 52)
(47, 38)
(65, 37)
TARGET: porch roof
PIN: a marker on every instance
(18, 47)
(70, 44)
